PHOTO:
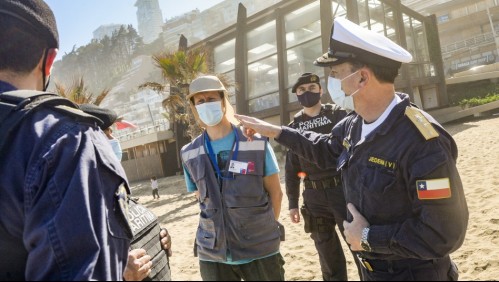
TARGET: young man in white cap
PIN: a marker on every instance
(239, 193)
(407, 209)
(324, 204)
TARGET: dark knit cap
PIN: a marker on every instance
(107, 116)
(305, 79)
(35, 13)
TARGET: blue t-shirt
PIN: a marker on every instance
(222, 148)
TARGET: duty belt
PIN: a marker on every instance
(323, 184)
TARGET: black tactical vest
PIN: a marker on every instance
(323, 123)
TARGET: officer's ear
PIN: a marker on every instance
(364, 77)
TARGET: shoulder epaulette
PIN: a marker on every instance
(421, 122)
(298, 114)
(328, 107)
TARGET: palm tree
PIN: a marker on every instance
(178, 69)
(79, 94)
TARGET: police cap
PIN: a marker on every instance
(36, 14)
(107, 116)
(349, 41)
(305, 79)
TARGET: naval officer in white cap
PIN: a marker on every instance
(406, 207)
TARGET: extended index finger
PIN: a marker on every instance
(353, 210)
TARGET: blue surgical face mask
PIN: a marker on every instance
(338, 95)
(210, 113)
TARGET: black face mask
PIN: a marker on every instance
(309, 99)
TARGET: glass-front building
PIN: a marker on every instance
(265, 53)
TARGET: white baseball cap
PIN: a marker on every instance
(350, 41)
(205, 83)
(208, 83)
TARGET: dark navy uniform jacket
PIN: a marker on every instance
(60, 188)
(324, 122)
(380, 176)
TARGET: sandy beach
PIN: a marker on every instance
(477, 259)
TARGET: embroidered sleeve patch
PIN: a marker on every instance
(433, 189)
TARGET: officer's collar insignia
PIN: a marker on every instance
(421, 122)
(346, 144)
(383, 163)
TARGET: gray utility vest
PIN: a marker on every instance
(239, 216)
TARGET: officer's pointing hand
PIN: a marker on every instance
(353, 230)
(251, 126)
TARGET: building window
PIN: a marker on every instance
(263, 75)
(417, 45)
(443, 18)
(224, 58)
(303, 24)
(263, 79)
(264, 102)
(303, 30)
(224, 61)
(339, 9)
(300, 60)
(262, 41)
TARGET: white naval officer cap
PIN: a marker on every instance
(349, 41)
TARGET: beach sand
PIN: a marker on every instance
(477, 259)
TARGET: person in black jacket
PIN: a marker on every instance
(324, 203)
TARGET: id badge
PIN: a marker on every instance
(238, 167)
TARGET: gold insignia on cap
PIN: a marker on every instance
(421, 122)
(313, 78)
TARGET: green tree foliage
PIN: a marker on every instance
(179, 68)
(79, 93)
(473, 102)
(103, 62)
(462, 92)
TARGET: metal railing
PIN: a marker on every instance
(129, 134)
(469, 43)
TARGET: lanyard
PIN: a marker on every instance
(212, 156)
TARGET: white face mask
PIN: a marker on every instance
(338, 95)
(210, 113)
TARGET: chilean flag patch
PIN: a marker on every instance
(433, 189)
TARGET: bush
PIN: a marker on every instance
(457, 93)
(477, 101)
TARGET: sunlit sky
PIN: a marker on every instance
(77, 19)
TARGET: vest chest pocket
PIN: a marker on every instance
(206, 234)
(249, 184)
